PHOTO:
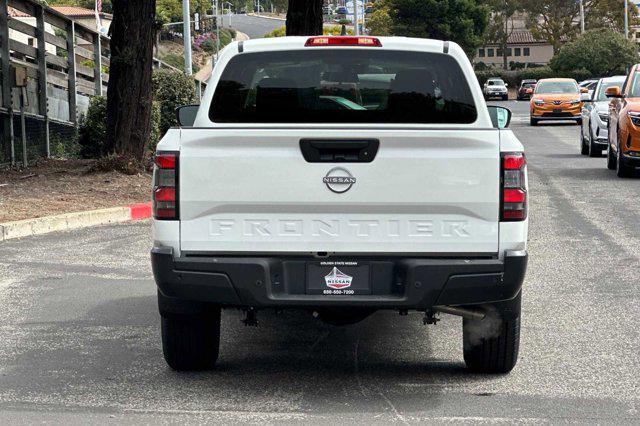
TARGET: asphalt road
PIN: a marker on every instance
(80, 335)
(253, 26)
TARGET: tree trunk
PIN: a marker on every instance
(304, 17)
(129, 91)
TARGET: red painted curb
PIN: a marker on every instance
(140, 211)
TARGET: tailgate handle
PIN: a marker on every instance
(339, 150)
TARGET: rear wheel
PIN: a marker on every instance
(491, 345)
(191, 342)
(623, 170)
(594, 150)
(584, 149)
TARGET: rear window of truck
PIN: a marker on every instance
(343, 86)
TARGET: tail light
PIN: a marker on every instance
(343, 41)
(514, 193)
(165, 186)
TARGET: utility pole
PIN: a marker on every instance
(186, 35)
(626, 19)
(364, 22)
(217, 31)
(581, 17)
(356, 30)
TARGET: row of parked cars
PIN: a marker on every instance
(607, 110)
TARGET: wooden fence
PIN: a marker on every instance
(66, 63)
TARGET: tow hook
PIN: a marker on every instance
(250, 318)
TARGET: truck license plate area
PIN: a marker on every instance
(338, 278)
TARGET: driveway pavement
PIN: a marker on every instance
(80, 329)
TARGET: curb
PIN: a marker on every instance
(76, 220)
(265, 17)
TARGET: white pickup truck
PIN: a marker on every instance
(341, 175)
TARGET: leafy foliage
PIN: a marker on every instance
(557, 21)
(601, 51)
(93, 128)
(553, 20)
(328, 30)
(500, 26)
(608, 14)
(380, 23)
(171, 90)
(461, 21)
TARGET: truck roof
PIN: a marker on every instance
(293, 43)
(389, 43)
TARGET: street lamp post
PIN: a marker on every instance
(626, 19)
(186, 35)
(581, 16)
(356, 28)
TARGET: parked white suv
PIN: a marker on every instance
(495, 88)
(341, 175)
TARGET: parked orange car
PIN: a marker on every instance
(556, 99)
(623, 149)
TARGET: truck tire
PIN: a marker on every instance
(191, 342)
(491, 344)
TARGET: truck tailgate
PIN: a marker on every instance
(251, 190)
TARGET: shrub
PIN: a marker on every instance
(92, 131)
(172, 89)
(64, 147)
(278, 32)
(93, 128)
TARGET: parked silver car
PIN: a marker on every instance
(595, 117)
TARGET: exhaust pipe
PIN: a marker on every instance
(461, 312)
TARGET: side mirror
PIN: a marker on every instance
(584, 90)
(585, 97)
(506, 85)
(500, 116)
(186, 115)
(613, 92)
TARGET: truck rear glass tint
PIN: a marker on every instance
(343, 86)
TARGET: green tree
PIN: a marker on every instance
(602, 52)
(553, 20)
(500, 25)
(461, 21)
(608, 14)
(380, 23)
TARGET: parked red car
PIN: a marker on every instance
(526, 89)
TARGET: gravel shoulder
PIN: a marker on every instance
(56, 186)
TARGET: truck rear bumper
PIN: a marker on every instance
(280, 282)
